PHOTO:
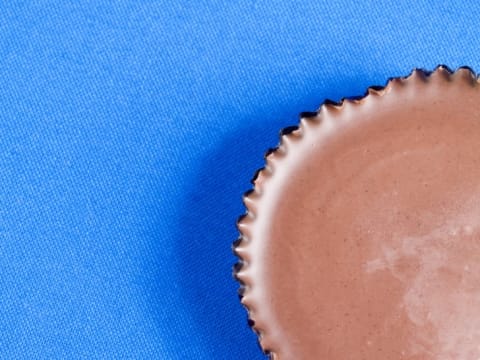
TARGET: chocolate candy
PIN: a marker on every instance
(362, 236)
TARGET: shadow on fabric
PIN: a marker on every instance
(207, 234)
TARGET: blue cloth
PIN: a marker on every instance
(129, 131)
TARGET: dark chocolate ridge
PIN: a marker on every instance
(253, 195)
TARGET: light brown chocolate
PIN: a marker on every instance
(362, 237)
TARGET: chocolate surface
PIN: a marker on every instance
(362, 237)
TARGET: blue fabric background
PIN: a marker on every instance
(130, 129)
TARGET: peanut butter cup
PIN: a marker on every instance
(362, 233)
